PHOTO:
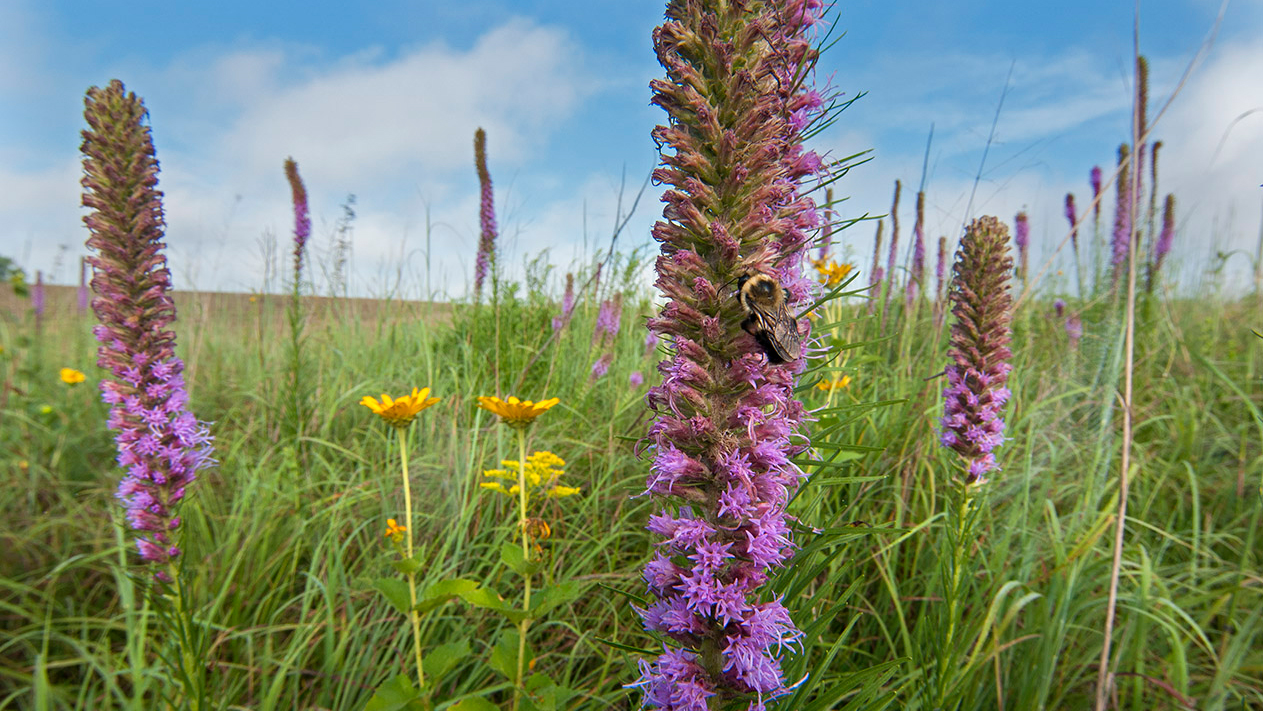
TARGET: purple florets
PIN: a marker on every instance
(1095, 179)
(1074, 330)
(973, 425)
(567, 305)
(1121, 241)
(1167, 236)
(726, 420)
(160, 443)
(1022, 238)
(1073, 218)
(486, 214)
(608, 319)
(918, 251)
(302, 218)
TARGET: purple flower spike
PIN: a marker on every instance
(486, 214)
(974, 398)
(1096, 190)
(160, 443)
(37, 296)
(1121, 241)
(1060, 307)
(608, 319)
(1167, 236)
(302, 218)
(1072, 218)
(1074, 330)
(1165, 239)
(635, 380)
(567, 305)
(918, 251)
(1022, 238)
(726, 420)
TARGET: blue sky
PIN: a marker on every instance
(381, 100)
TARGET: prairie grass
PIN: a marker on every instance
(283, 542)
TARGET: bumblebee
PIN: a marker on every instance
(768, 318)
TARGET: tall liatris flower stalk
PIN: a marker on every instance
(1095, 179)
(1153, 184)
(37, 300)
(1120, 243)
(940, 282)
(160, 443)
(973, 400)
(1165, 239)
(1072, 217)
(608, 318)
(605, 335)
(297, 389)
(567, 305)
(893, 260)
(724, 413)
(302, 219)
(1022, 238)
(918, 251)
(486, 214)
(979, 352)
(875, 276)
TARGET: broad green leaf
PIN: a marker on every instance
(553, 596)
(406, 566)
(397, 694)
(395, 591)
(504, 655)
(440, 660)
(474, 703)
(442, 591)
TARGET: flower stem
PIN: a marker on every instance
(947, 660)
(190, 674)
(412, 577)
(526, 604)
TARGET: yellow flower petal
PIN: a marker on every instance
(401, 411)
(515, 412)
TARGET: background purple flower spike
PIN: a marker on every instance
(486, 214)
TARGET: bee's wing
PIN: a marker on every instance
(781, 331)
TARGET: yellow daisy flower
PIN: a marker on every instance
(70, 376)
(832, 273)
(399, 412)
(827, 385)
(394, 531)
(515, 412)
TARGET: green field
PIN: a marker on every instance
(283, 538)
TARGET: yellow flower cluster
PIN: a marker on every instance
(542, 471)
(400, 412)
(829, 385)
(70, 376)
(832, 273)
